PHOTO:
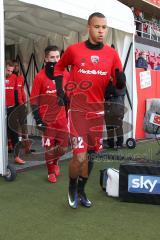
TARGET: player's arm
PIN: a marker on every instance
(24, 98)
(66, 60)
(40, 124)
(16, 92)
(110, 91)
(34, 102)
(119, 78)
(66, 77)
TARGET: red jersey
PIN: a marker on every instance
(20, 88)
(90, 73)
(44, 95)
(10, 87)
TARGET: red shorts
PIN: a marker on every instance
(85, 131)
(56, 134)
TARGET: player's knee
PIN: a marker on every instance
(63, 150)
(81, 157)
(59, 150)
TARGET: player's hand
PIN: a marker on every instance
(66, 100)
(60, 97)
(40, 125)
(120, 78)
(60, 101)
(109, 91)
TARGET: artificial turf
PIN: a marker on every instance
(32, 208)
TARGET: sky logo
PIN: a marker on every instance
(143, 184)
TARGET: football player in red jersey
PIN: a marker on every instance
(21, 110)
(92, 64)
(10, 88)
(49, 116)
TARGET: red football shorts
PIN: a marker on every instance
(56, 133)
(85, 131)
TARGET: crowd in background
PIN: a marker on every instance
(146, 24)
(147, 60)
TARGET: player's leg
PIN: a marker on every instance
(12, 127)
(50, 164)
(110, 130)
(57, 152)
(94, 145)
(119, 132)
(24, 129)
(94, 136)
(55, 141)
(82, 181)
(78, 166)
(61, 142)
(48, 142)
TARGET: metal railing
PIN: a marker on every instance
(146, 30)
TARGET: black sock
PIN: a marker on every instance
(72, 184)
(82, 181)
(81, 184)
(91, 154)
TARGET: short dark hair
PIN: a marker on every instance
(51, 48)
(95, 14)
(15, 62)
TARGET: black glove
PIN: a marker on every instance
(110, 91)
(40, 124)
(16, 97)
(63, 99)
(66, 100)
(49, 69)
(60, 91)
(60, 101)
(120, 79)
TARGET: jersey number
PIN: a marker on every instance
(77, 142)
(46, 142)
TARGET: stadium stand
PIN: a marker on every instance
(147, 37)
(147, 18)
(153, 58)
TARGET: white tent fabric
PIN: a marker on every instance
(29, 21)
(3, 150)
(82, 9)
(31, 25)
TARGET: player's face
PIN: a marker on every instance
(53, 56)
(9, 70)
(97, 30)
(16, 67)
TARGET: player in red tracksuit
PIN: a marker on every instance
(21, 110)
(10, 88)
(92, 64)
(49, 116)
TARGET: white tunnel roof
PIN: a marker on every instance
(33, 19)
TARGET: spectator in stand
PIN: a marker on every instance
(11, 98)
(157, 67)
(149, 66)
(138, 15)
(142, 61)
